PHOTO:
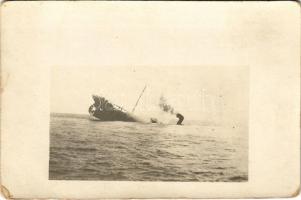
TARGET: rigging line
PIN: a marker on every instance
(139, 99)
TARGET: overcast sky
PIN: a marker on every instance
(115, 53)
(198, 92)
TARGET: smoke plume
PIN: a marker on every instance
(165, 107)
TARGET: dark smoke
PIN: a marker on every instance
(166, 107)
(169, 109)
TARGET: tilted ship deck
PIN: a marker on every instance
(114, 115)
(103, 110)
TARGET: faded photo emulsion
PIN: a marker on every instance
(150, 99)
(149, 123)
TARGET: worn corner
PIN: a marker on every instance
(4, 3)
(5, 192)
(296, 192)
(295, 3)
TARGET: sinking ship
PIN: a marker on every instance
(104, 110)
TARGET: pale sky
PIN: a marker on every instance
(198, 92)
(115, 53)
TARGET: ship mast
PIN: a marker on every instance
(139, 99)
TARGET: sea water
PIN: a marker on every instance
(81, 149)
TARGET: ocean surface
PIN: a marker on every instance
(81, 149)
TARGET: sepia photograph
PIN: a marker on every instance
(149, 123)
(150, 99)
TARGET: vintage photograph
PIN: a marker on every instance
(149, 123)
(150, 99)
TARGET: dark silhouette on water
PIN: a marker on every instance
(153, 120)
(180, 117)
(104, 110)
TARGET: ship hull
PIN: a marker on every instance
(114, 115)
